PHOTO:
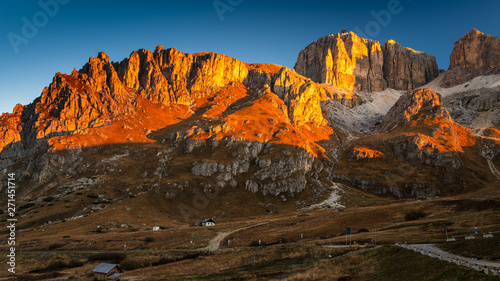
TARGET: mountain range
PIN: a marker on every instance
(189, 128)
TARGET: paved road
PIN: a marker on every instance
(214, 244)
(435, 250)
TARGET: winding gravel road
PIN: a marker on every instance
(214, 244)
(436, 251)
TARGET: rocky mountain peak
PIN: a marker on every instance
(473, 31)
(351, 62)
(412, 104)
(263, 127)
(474, 54)
(103, 56)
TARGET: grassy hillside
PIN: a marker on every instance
(261, 263)
(482, 248)
(389, 263)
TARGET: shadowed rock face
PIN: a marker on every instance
(474, 54)
(407, 69)
(351, 62)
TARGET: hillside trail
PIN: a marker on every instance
(214, 244)
(488, 154)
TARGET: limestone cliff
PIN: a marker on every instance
(405, 68)
(186, 101)
(348, 61)
(103, 92)
(211, 121)
(474, 54)
(418, 150)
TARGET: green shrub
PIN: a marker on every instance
(111, 257)
(363, 230)
(26, 206)
(129, 264)
(55, 246)
(58, 265)
(48, 199)
(415, 215)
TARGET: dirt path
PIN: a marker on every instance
(214, 244)
(488, 154)
(493, 170)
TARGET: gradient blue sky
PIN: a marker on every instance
(253, 31)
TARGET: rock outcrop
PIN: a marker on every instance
(344, 60)
(474, 54)
(412, 105)
(425, 153)
(351, 62)
(405, 68)
(103, 92)
(217, 102)
(364, 153)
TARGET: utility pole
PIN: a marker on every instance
(348, 232)
(374, 236)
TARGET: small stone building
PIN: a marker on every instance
(206, 222)
(107, 272)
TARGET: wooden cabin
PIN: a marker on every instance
(107, 272)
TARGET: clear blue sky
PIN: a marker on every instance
(251, 31)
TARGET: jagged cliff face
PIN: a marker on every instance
(351, 62)
(103, 92)
(405, 68)
(418, 150)
(346, 61)
(171, 122)
(474, 54)
(202, 106)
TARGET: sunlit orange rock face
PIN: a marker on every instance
(351, 62)
(420, 111)
(365, 153)
(108, 102)
(220, 122)
(10, 126)
(418, 150)
(473, 54)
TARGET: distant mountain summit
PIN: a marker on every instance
(474, 54)
(355, 63)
